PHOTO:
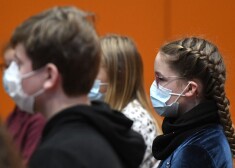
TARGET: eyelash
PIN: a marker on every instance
(159, 78)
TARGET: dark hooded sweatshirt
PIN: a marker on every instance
(89, 137)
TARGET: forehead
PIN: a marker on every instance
(161, 67)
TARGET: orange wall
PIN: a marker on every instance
(136, 18)
(214, 20)
(149, 22)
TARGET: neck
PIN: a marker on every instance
(58, 102)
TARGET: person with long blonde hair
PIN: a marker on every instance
(120, 83)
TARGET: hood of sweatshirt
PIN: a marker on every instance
(112, 124)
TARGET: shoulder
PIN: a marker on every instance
(133, 105)
(80, 138)
(208, 146)
(23, 123)
(52, 157)
(138, 114)
(135, 111)
(190, 156)
(26, 118)
(143, 122)
(209, 137)
(35, 123)
(74, 150)
(37, 118)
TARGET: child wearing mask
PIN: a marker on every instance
(24, 127)
(120, 83)
(189, 91)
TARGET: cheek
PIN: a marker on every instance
(32, 85)
(171, 100)
(175, 89)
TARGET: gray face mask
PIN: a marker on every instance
(94, 93)
(160, 95)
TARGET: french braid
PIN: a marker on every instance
(198, 58)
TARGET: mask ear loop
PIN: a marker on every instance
(29, 74)
(99, 83)
(182, 92)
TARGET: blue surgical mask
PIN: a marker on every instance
(159, 95)
(94, 93)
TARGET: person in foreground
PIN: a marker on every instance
(189, 91)
(120, 84)
(58, 56)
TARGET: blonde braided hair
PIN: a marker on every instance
(197, 58)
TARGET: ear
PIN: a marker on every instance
(52, 78)
(192, 89)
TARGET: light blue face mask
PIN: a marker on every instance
(94, 93)
(160, 95)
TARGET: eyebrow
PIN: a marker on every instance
(164, 76)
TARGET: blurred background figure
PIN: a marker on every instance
(120, 83)
(25, 128)
(57, 60)
(9, 157)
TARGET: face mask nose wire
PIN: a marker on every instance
(32, 73)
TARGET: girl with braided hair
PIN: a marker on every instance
(189, 91)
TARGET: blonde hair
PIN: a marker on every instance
(197, 58)
(124, 67)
